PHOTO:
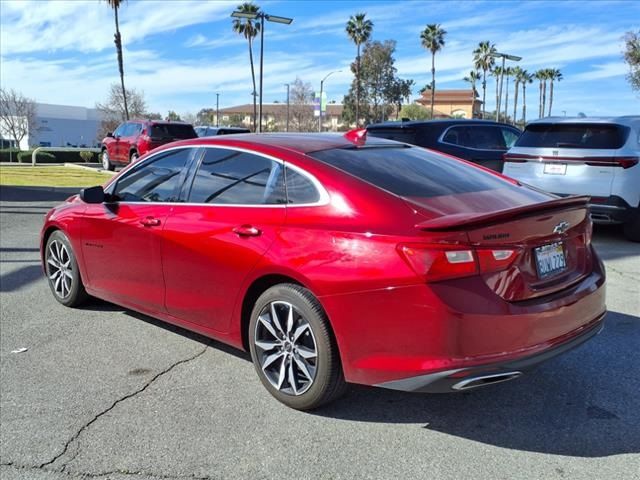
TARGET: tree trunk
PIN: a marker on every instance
(544, 96)
(253, 79)
(357, 88)
(524, 104)
(550, 97)
(121, 64)
(540, 101)
(506, 102)
(484, 92)
(515, 103)
(433, 81)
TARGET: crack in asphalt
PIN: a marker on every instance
(113, 405)
(84, 475)
(623, 274)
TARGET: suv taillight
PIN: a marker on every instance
(624, 162)
(513, 158)
(442, 262)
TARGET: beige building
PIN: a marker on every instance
(454, 103)
(274, 117)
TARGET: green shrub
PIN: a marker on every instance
(87, 156)
(14, 155)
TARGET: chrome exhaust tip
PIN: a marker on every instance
(483, 380)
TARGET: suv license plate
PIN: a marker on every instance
(550, 259)
(555, 168)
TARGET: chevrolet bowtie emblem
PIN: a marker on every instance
(561, 227)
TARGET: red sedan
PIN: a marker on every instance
(337, 259)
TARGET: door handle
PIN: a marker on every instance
(247, 231)
(150, 222)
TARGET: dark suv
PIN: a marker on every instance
(135, 138)
(206, 131)
(479, 141)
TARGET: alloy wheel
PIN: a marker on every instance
(286, 348)
(59, 269)
(105, 160)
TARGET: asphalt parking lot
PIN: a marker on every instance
(103, 392)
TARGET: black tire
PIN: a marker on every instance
(58, 253)
(106, 161)
(328, 380)
(632, 226)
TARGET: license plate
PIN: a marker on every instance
(550, 259)
(555, 168)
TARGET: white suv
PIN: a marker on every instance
(599, 157)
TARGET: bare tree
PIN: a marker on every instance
(113, 109)
(17, 115)
(301, 106)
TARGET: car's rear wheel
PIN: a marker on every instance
(62, 271)
(133, 157)
(632, 226)
(293, 349)
(106, 161)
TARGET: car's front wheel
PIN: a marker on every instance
(62, 271)
(293, 349)
(106, 161)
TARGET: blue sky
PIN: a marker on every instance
(181, 52)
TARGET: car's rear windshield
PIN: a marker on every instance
(172, 130)
(405, 135)
(574, 135)
(411, 172)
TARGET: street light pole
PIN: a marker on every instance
(321, 91)
(287, 85)
(505, 56)
(217, 109)
(262, 17)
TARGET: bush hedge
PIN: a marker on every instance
(64, 156)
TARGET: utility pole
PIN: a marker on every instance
(287, 85)
(321, 91)
(217, 109)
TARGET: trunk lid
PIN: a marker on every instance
(550, 243)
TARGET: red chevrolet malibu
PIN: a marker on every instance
(337, 259)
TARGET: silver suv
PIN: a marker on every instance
(599, 157)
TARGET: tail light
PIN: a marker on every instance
(513, 158)
(624, 162)
(434, 263)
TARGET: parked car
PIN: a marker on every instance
(599, 157)
(480, 141)
(205, 131)
(337, 259)
(133, 139)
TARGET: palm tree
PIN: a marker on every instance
(482, 60)
(554, 75)
(432, 38)
(472, 78)
(517, 79)
(115, 4)
(249, 29)
(359, 30)
(526, 77)
(541, 75)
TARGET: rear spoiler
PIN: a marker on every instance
(473, 219)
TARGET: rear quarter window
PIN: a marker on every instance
(578, 135)
(172, 131)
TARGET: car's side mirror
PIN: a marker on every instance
(92, 194)
(110, 134)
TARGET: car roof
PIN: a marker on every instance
(438, 123)
(628, 120)
(298, 142)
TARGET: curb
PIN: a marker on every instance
(90, 168)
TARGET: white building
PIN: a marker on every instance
(61, 126)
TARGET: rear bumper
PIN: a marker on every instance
(462, 379)
(605, 210)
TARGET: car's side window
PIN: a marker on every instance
(230, 177)
(300, 189)
(454, 136)
(157, 180)
(486, 138)
(509, 136)
(118, 131)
